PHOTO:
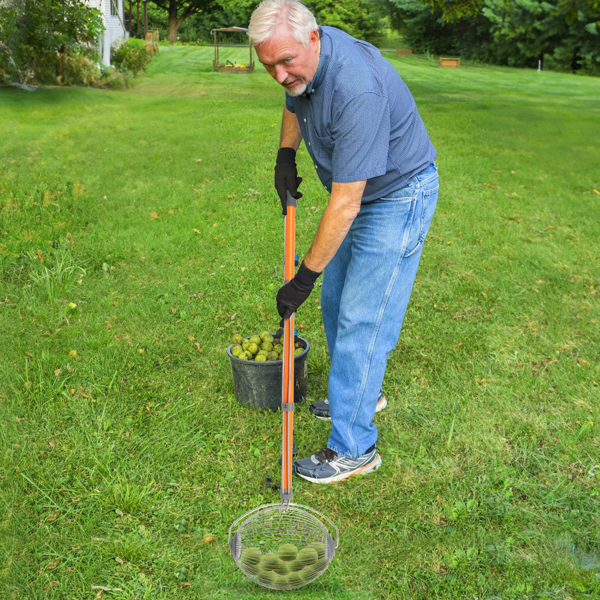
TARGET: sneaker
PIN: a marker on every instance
(327, 466)
(321, 409)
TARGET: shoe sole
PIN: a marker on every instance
(343, 476)
(380, 406)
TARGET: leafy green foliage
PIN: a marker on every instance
(40, 33)
(130, 56)
(360, 18)
(517, 33)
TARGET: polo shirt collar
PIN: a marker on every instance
(323, 64)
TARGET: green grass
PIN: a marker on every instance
(122, 445)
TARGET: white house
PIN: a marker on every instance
(112, 17)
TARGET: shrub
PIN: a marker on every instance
(130, 55)
(79, 69)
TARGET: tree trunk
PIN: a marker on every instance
(173, 22)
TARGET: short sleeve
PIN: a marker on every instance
(361, 138)
(288, 103)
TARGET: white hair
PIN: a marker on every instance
(269, 15)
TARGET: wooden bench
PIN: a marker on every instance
(400, 52)
(450, 63)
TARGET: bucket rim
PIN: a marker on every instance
(268, 362)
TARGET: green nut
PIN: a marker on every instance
(267, 577)
(287, 552)
(236, 349)
(251, 556)
(266, 346)
(308, 556)
(273, 356)
(320, 548)
(253, 348)
(260, 358)
(281, 582)
(269, 561)
(245, 344)
(255, 339)
(296, 565)
(237, 339)
(282, 568)
(294, 579)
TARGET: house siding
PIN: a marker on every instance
(114, 25)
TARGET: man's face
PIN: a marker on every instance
(289, 62)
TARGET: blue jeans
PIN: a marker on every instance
(366, 288)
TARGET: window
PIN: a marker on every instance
(114, 10)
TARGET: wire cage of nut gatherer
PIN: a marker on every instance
(283, 546)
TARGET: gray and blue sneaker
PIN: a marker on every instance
(327, 466)
(321, 409)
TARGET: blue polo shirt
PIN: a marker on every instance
(359, 120)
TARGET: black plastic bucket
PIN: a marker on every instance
(258, 384)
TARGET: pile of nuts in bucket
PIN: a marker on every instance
(262, 348)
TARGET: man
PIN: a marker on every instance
(369, 146)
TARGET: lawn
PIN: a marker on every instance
(140, 231)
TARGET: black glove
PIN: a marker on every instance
(286, 176)
(295, 292)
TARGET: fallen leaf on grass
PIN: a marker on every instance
(596, 192)
(71, 239)
(208, 539)
(57, 372)
(496, 171)
(39, 255)
(53, 565)
(50, 585)
(197, 346)
(153, 215)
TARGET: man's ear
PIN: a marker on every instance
(314, 36)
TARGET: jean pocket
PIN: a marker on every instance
(406, 194)
(423, 217)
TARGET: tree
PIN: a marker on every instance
(360, 18)
(180, 10)
(37, 34)
(518, 33)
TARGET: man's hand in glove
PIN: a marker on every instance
(286, 176)
(295, 292)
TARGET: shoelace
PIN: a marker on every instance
(325, 455)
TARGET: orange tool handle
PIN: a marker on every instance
(287, 402)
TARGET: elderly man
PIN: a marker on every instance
(371, 151)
